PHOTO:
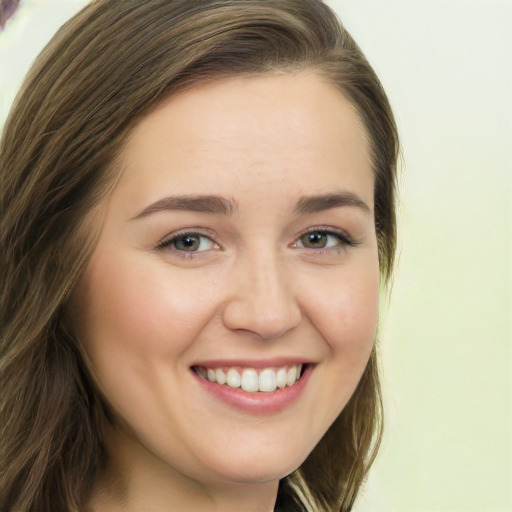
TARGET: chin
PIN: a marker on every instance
(259, 466)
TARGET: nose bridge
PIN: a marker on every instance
(263, 300)
(268, 281)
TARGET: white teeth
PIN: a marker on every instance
(220, 376)
(291, 376)
(268, 379)
(281, 378)
(249, 380)
(233, 378)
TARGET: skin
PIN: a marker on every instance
(255, 289)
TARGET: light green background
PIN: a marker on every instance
(446, 339)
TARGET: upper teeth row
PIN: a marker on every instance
(249, 379)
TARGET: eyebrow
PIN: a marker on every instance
(223, 206)
(205, 204)
(320, 203)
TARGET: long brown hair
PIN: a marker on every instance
(104, 70)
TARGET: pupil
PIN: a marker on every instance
(187, 243)
(316, 240)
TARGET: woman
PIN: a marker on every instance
(198, 206)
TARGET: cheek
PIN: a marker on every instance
(347, 311)
(131, 305)
(347, 318)
(137, 322)
(136, 325)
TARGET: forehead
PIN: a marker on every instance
(249, 133)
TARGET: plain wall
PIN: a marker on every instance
(446, 337)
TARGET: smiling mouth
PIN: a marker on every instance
(251, 380)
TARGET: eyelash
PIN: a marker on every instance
(167, 242)
(344, 241)
(343, 238)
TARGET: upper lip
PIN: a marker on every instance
(253, 363)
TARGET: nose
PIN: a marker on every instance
(262, 299)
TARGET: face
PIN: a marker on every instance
(231, 304)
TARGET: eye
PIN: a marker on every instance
(322, 239)
(188, 243)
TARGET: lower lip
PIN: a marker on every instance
(257, 402)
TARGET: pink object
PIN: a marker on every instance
(7, 11)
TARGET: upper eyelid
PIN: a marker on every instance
(325, 229)
(329, 230)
